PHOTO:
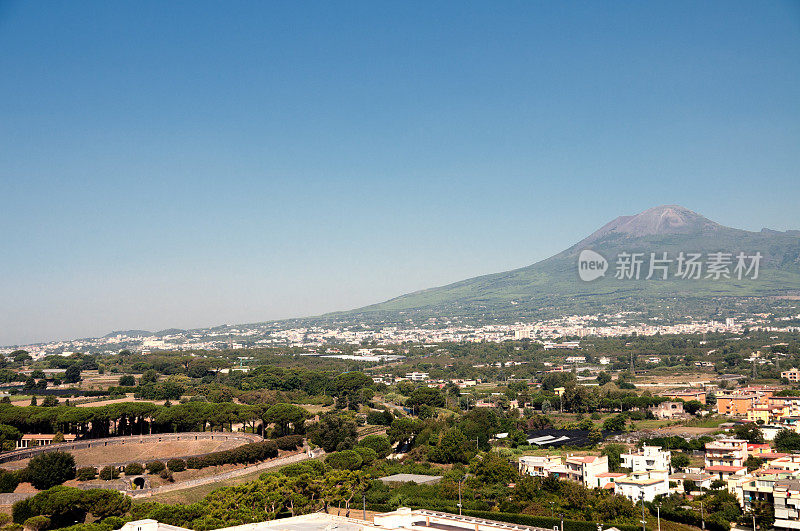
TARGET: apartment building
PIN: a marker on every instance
(735, 405)
(786, 500)
(647, 459)
(417, 376)
(793, 374)
(585, 469)
(726, 452)
(785, 406)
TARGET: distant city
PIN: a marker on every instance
(551, 332)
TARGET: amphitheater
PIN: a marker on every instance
(119, 451)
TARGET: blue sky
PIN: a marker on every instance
(189, 164)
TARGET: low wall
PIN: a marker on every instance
(27, 453)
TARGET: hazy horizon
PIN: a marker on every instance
(188, 165)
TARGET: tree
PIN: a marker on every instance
(149, 376)
(750, 432)
(9, 435)
(50, 401)
(176, 465)
(50, 469)
(603, 378)
(287, 419)
(452, 448)
(134, 469)
(334, 432)
(753, 463)
(72, 374)
(615, 423)
(344, 460)
(787, 441)
(680, 461)
(692, 406)
(764, 513)
(428, 396)
(613, 452)
(127, 380)
(8, 481)
(87, 473)
(491, 468)
(109, 472)
(378, 443)
(154, 467)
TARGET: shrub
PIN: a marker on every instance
(134, 469)
(166, 474)
(50, 469)
(344, 460)
(176, 465)
(37, 523)
(154, 467)
(248, 453)
(289, 442)
(194, 463)
(8, 481)
(114, 522)
(109, 472)
(86, 473)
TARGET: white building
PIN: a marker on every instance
(542, 465)
(643, 484)
(403, 519)
(726, 452)
(586, 469)
(647, 459)
(417, 376)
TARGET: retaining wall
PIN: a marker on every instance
(26, 453)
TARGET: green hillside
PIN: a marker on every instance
(553, 286)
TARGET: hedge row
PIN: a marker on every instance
(248, 453)
(289, 442)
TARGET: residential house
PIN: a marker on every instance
(648, 458)
(542, 466)
(584, 469)
(647, 485)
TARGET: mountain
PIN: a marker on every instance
(553, 286)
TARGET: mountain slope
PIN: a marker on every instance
(553, 285)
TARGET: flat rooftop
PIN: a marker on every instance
(420, 479)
